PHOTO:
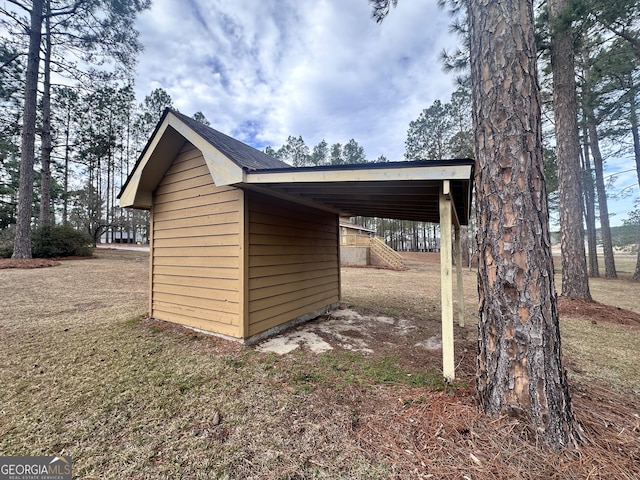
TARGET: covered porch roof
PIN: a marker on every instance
(398, 190)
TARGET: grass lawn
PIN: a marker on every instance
(83, 373)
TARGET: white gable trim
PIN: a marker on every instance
(138, 193)
(223, 170)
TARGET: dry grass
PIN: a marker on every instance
(128, 398)
(602, 352)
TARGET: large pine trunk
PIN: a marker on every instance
(22, 240)
(519, 360)
(575, 278)
(45, 136)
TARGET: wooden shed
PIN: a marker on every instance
(243, 245)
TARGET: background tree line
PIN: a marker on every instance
(70, 126)
(89, 135)
(97, 136)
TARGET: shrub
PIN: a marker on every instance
(6, 242)
(60, 241)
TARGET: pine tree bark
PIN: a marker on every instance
(67, 148)
(22, 240)
(45, 136)
(575, 278)
(519, 359)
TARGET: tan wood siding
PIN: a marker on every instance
(293, 261)
(196, 256)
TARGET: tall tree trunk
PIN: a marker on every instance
(519, 352)
(108, 213)
(635, 133)
(588, 183)
(436, 247)
(605, 229)
(636, 151)
(67, 133)
(22, 241)
(590, 209)
(45, 136)
(575, 279)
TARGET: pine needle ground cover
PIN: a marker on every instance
(83, 373)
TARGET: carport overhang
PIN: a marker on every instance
(436, 191)
(398, 190)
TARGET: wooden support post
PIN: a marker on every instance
(446, 283)
(459, 277)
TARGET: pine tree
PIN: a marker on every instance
(353, 153)
(428, 135)
(520, 360)
(320, 154)
(199, 116)
(575, 278)
(519, 336)
(22, 241)
(336, 155)
(295, 152)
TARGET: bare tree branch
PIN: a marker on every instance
(19, 4)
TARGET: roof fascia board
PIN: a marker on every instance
(452, 172)
(353, 226)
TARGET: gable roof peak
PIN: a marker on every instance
(243, 155)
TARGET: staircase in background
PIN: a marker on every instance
(386, 254)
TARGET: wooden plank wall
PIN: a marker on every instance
(196, 248)
(293, 261)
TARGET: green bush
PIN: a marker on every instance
(60, 241)
(6, 250)
(6, 242)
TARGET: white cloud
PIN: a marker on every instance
(324, 69)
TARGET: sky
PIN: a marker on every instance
(261, 70)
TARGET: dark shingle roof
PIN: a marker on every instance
(240, 153)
